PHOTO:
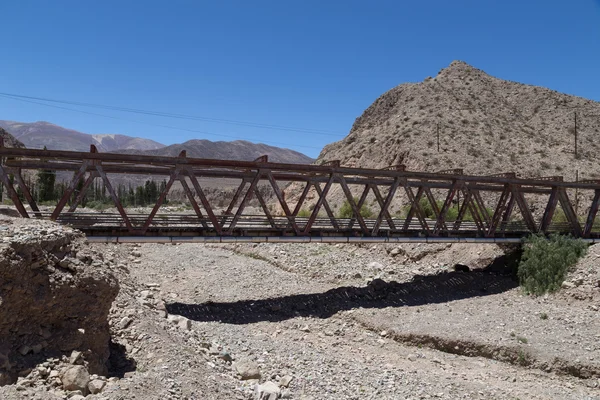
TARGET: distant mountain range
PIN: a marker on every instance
(36, 135)
(236, 150)
(54, 137)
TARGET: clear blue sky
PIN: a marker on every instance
(305, 64)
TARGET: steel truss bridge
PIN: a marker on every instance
(497, 208)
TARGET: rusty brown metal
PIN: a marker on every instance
(589, 223)
(27, 193)
(476, 195)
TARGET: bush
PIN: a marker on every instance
(304, 213)
(545, 262)
(451, 215)
(346, 210)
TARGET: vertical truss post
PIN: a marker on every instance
(282, 202)
(190, 195)
(325, 203)
(508, 212)
(27, 193)
(301, 199)
(361, 201)
(525, 211)
(475, 212)
(441, 218)
(114, 197)
(433, 202)
(265, 208)
(386, 208)
(79, 198)
(67, 195)
(462, 211)
(565, 203)
(549, 211)
(320, 202)
(12, 192)
(161, 198)
(204, 200)
(245, 200)
(355, 209)
(500, 207)
(592, 214)
(415, 207)
(481, 205)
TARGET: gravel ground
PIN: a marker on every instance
(341, 322)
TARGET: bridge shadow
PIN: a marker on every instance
(421, 290)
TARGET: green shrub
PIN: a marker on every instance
(304, 213)
(545, 262)
(451, 215)
(346, 210)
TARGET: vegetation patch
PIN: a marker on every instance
(546, 261)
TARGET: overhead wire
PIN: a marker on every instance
(179, 116)
(22, 99)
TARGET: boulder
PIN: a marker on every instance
(247, 369)
(76, 377)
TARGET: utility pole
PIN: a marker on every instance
(576, 192)
(575, 134)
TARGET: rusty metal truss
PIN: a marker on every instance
(500, 207)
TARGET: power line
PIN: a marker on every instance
(159, 125)
(179, 116)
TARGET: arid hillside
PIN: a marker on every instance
(486, 125)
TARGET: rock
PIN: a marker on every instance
(124, 323)
(76, 377)
(285, 381)
(412, 357)
(76, 358)
(267, 391)
(184, 324)
(225, 356)
(247, 369)
(395, 252)
(136, 253)
(578, 282)
(77, 397)
(286, 394)
(146, 294)
(24, 350)
(37, 348)
(96, 385)
(567, 285)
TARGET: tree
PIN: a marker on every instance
(45, 183)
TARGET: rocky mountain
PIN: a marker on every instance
(235, 150)
(486, 125)
(54, 137)
(9, 140)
